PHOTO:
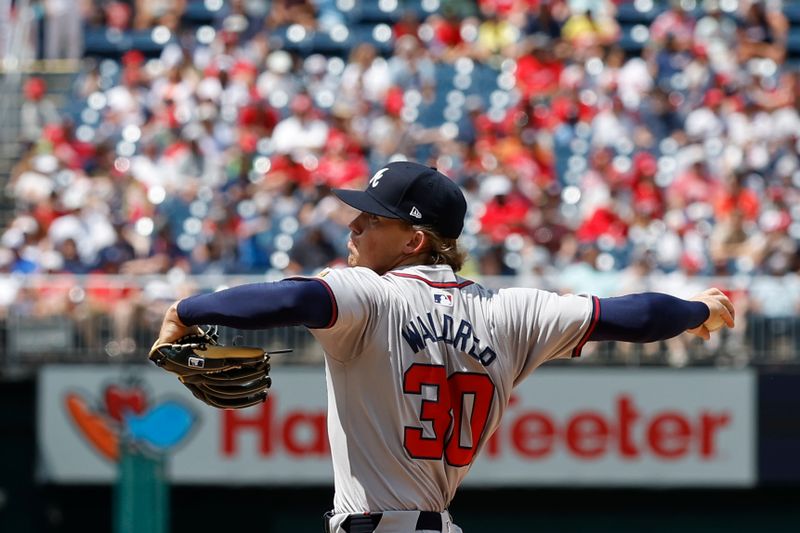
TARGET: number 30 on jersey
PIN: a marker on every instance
(447, 411)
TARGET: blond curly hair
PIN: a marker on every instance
(443, 251)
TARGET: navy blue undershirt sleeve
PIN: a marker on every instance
(289, 302)
(646, 317)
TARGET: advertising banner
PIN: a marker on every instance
(563, 427)
(625, 427)
(779, 427)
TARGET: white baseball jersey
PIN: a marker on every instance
(420, 366)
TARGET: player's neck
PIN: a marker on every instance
(416, 259)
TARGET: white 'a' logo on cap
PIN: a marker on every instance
(415, 212)
(377, 177)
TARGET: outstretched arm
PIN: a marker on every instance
(651, 316)
(290, 302)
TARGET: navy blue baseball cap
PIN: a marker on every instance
(414, 193)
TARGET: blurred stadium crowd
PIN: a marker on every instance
(605, 147)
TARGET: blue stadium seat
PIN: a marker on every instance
(371, 13)
(418, 7)
(364, 33)
(197, 13)
(792, 12)
(444, 73)
(432, 114)
(626, 40)
(793, 40)
(484, 79)
(323, 43)
(627, 13)
(793, 62)
(280, 40)
(103, 43)
(143, 40)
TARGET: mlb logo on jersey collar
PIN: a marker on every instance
(443, 298)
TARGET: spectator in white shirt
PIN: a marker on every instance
(302, 131)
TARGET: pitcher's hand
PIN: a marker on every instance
(172, 328)
(721, 312)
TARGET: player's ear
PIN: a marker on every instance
(416, 243)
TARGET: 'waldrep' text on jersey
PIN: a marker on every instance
(420, 331)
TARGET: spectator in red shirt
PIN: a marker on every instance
(447, 42)
(694, 184)
(604, 222)
(506, 211)
(737, 196)
(37, 110)
(338, 167)
(407, 25)
(648, 198)
(538, 69)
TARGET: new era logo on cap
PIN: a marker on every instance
(412, 192)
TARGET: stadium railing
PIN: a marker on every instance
(115, 319)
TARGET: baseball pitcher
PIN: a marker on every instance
(420, 363)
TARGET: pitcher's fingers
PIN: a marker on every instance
(727, 316)
(700, 331)
(713, 291)
(724, 300)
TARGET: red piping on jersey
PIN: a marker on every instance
(334, 305)
(435, 284)
(595, 319)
